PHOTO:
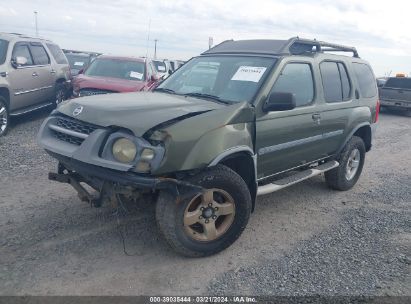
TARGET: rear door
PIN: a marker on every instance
(339, 97)
(287, 139)
(45, 74)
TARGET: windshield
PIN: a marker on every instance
(117, 68)
(77, 62)
(3, 50)
(230, 78)
(160, 66)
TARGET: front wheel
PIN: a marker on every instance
(351, 160)
(4, 117)
(207, 222)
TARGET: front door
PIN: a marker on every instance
(287, 139)
(23, 79)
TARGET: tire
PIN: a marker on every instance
(229, 191)
(341, 178)
(4, 116)
(59, 94)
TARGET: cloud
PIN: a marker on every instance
(182, 27)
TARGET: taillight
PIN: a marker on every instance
(377, 110)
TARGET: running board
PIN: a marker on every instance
(296, 178)
(31, 109)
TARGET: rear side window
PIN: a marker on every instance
(3, 50)
(296, 78)
(366, 80)
(40, 56)
(336, 84)
(22, 50)
(57, 53)
(399, 83)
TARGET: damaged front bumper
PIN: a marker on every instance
(109, 182)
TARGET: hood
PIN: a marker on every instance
(106, 83)
(138, 111)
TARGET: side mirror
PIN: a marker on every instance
(279, 101)
(154, 77)
(81, 71)
(19, 61)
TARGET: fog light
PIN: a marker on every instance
(124, 150)
(143, 167)
(147, 154)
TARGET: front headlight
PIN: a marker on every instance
(124, 150)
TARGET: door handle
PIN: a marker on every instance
(53, 71)
(35, 74)
(317, 118)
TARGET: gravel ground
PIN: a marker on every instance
(304, 240)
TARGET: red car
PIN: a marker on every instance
(113, 74)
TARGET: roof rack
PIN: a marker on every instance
(292, 46)
(320, 46)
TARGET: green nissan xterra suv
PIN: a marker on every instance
(245, 118)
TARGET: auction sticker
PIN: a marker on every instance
(249, 73)
(136, 75)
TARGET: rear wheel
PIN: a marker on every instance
(60, 94)
(4, 116)
(351, 160)
(207, 222)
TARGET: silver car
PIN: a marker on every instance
(34, 73)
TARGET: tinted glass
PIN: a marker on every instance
(3, 50)
(366, 80)
(57, 53)
(116, 68)
(401, 83)
(40, 56)
(22, 50)
(78, 62)
(230, 78)
(296, 78)
(346, 86)
(330, 76)
(160, 66)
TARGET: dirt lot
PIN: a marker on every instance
(306, 239)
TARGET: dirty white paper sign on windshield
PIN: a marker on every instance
(79, 63)
(249, 73)
(136, 75)
(161, 68)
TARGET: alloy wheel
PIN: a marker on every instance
(352, 164)
(209, 215)
(3, 118)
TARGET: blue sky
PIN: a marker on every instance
(380, 32)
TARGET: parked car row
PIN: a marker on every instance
(36, 73)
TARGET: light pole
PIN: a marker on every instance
(155, 48)
(35, 22)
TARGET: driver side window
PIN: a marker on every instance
(22, 50)
(296, 78)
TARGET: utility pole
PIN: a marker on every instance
(155, 48)
(35, 22)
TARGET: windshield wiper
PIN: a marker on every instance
(164, 90)
(208, 96)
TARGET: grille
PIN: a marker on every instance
(63, 130)
(89, 92)
(76, 126)
(68, 138)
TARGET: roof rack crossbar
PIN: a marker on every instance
(322, 46)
